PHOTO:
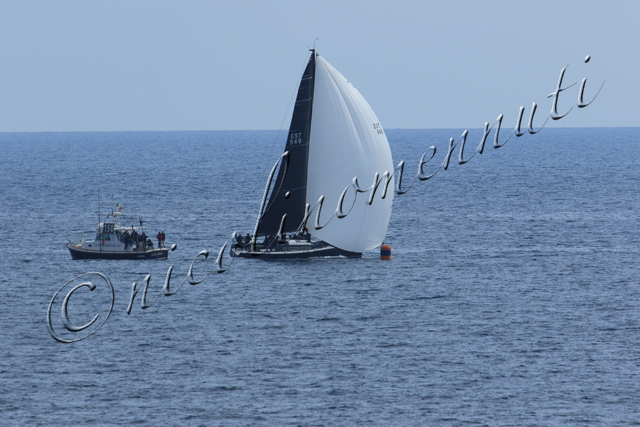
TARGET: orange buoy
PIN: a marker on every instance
(385, 252)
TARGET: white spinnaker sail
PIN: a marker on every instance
(346, 141)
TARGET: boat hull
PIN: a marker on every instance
(291, 251)
(76, 253)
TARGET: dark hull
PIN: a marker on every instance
(287, 251)
(162, 253)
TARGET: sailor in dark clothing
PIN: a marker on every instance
(247, 239)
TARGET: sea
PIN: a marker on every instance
(512, 297)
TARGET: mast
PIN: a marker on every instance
(289, 194)
(100, 229)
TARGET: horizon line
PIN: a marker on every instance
(276, 130)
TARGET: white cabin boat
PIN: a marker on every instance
(114, 241)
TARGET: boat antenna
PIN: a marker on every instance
(314, 44)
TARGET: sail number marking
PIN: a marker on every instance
(295, 138)
(377, 127)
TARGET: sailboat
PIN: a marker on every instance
(334, 136)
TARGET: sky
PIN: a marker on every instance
(213, 65)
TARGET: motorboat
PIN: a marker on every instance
(116, 241)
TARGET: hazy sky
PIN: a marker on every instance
(213, 65)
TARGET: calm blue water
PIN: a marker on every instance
(512, 297)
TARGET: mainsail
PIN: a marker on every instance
(334, 137)
(295, 181)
